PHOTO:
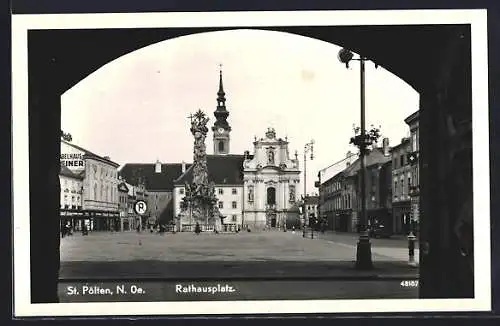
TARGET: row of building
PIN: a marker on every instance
(94, 195)
(256, 190)
(392, 186)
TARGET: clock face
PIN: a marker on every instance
(220, 130)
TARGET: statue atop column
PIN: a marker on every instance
(200, 203)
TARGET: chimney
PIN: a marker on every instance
(348, 154)
(158, 166)
(385, 146)
(183, 167)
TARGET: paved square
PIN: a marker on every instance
(262, 266)
(244, 246)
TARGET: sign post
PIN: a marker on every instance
(140, 208)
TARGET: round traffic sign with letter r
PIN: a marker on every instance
(140, 207)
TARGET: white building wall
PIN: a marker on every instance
(100, 186)
(71, 189)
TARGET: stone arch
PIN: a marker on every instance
(440, 76)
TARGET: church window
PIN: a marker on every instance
(271, 196)
(234, 204)
(221, 146)
(221, 204)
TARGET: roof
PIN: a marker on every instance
(89, 154)
(312, 200)
(222, 169)
(374, 157)
(65, 171)
(154, 181)
(404, 142)
(412, 117)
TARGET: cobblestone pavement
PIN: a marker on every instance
(244, 246)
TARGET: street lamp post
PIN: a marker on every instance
(309, 147)
(363, 251)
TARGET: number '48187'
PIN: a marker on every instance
(409, 284)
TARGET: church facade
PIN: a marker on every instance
(271, 179)
(258, 190)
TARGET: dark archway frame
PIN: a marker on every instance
(434, 59)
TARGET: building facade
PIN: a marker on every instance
(135, 193)
(340, 195)
(125, 223)
(99, 197)
(71, 197)
(271, 181)
(413, 122)
(158, 179)
(335, 202)
(401, 184)
(71, 189)
(311, 204)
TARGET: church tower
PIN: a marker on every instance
(221, 128)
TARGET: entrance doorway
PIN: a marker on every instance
(273, 221)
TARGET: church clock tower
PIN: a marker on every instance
(221, 128)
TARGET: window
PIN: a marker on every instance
(221, 204)
(394, 164)
(95, 191)
(221, 146)
(181, 191)
(409, 184)
(234, 204)
(271, 196)
(235, 191)
(395, 188)
(221, 191)
(414, 141)
(73, 199)
(233, 218)
(402, 160)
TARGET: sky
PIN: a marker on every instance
(135, 109)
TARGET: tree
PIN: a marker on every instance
(66, 136)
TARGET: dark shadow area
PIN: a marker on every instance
(227, 270)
